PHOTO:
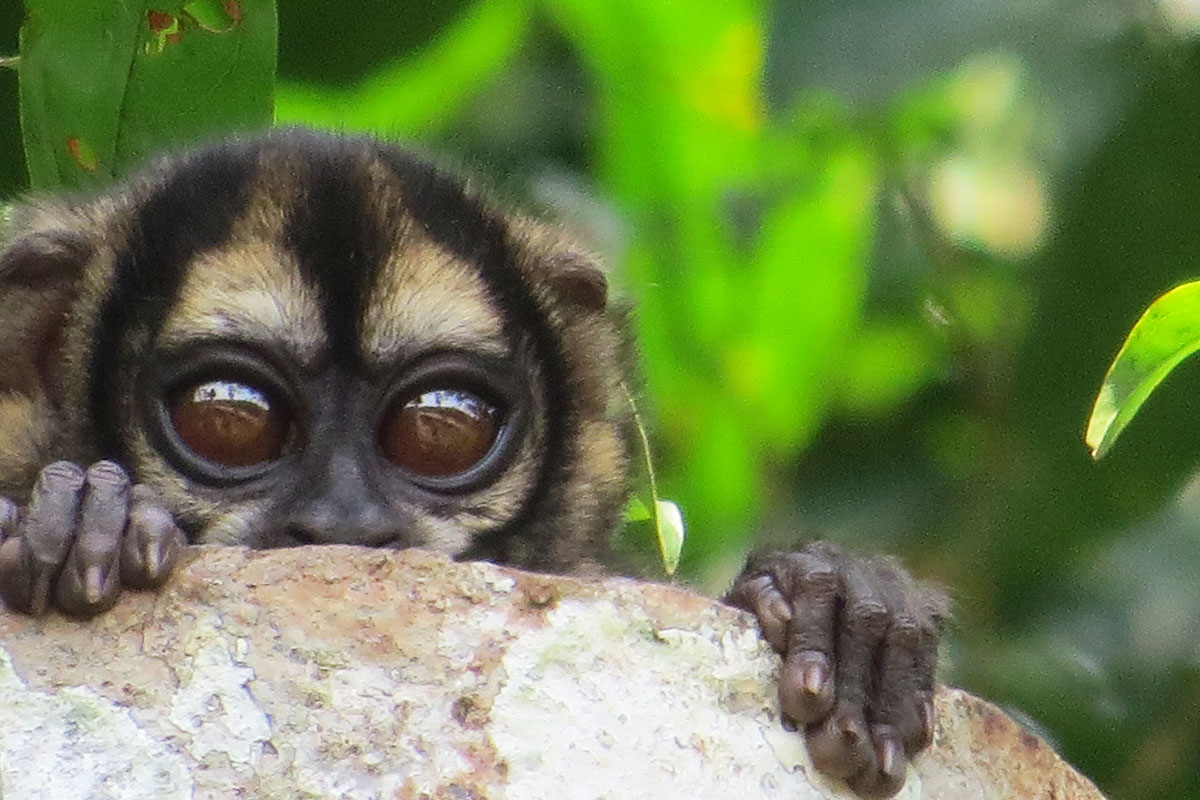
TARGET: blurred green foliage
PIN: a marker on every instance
(882, 252)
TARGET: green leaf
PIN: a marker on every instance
(1167, 333)
(104, 85)
(636, 510)
(218, 16)
(668, 524)
(667, 521)
(665, 515)
(421, 93)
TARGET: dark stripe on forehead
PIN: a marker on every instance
(336, 236)
(471, 231)
(191, 212)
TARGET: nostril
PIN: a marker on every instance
(302, 536)
(325, 520)
(388, 539)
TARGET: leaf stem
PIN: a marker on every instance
(645, 441)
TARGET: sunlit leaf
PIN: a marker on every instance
(104, 85)
(1167, 333)
(418, 94)
(668, 524)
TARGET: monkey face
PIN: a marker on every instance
(311, 339)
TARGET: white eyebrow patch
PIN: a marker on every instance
(251, 292)
(427, 299)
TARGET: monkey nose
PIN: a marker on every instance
(324, 522)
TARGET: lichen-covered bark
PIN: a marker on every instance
(336, 672)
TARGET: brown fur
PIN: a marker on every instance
(59, 267)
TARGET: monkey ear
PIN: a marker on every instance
(39, 279)
(576, 280)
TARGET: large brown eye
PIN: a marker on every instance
(229, 423)
(439, 434)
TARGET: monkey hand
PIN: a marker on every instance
(83, 536)
(859, 643)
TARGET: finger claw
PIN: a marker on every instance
(152, 556)
(840, 747)
(816, 677)
(159, 557)
(890, 756)
(886, 776)
(152, 545)
(778, 607)
(93, 584)
(806, 687)
(928, 719)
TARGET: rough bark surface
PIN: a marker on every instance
(336, 672)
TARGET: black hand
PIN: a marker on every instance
(859, 641)
(83, 537)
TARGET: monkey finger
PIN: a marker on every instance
(89, 582)
(49, 523)
(31, 560)
(841, 746)
(10, 517)
(809, 679)
(795, 597)
(865, 621)
(20, 582)
(102, 515)
(886, 774)
(153, 542)
(807, 691)
(931, 616)
(900, 696)
(760, 596)
(12, 557)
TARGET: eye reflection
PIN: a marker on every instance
(229, 423)
(439, 433)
